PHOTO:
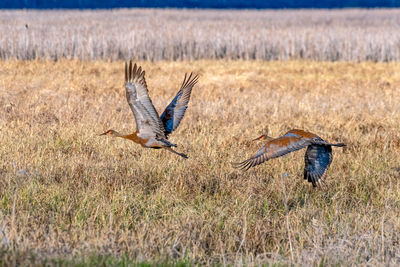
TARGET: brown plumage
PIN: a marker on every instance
(151, 130)
(318, 156)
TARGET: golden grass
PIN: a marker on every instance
(67, 191)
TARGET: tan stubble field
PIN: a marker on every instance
(67, 191)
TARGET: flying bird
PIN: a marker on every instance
(152, 131)
(318, 155)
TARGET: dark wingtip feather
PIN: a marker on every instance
(134, 73)
(130, 70)
(235, 164)
(184, 81)
(126, 71)
(189, 81)
(244, 165)
(190, 77)
(315, 179)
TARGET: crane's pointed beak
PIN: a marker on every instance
(262, 137)
(103, 134)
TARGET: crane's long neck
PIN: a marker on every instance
(133, 137)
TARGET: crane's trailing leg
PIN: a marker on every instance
(173, 151)
(168, 143)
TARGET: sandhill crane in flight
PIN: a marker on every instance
(151, 130)
(318, 156)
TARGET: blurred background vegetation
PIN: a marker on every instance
(197, 3)
(192, 34)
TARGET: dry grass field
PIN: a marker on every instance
(67, 193)
(170, 34)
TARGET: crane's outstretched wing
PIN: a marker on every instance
(146, 116)
(318, 158)
(292, 141)
(175, 111)
(317, 161)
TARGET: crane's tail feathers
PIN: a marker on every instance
(173, 151)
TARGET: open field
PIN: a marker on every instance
(67, 192)
(154, 34)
